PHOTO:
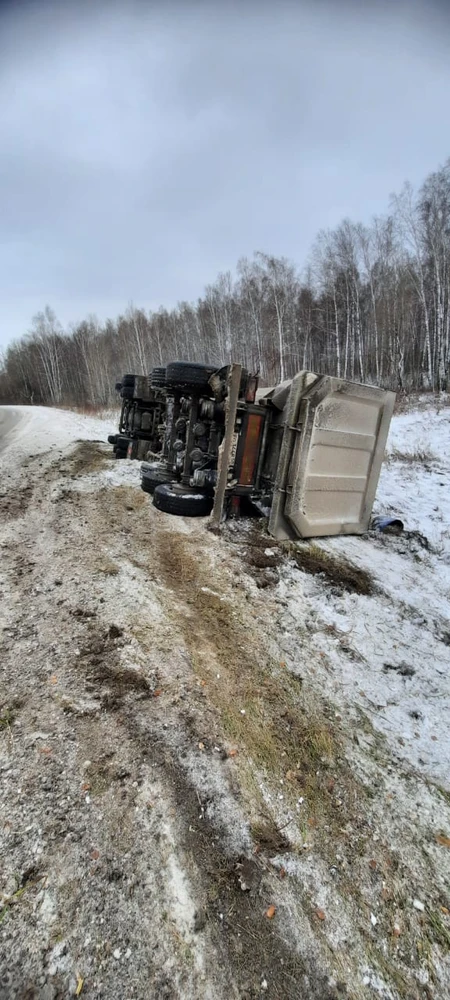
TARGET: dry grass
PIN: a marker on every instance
(107, 566)
(334, 569)
(269, 838)
(421, 399)
(262, 708)
(87, 456)
(420, 456)
(97, 410)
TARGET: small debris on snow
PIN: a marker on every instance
(373, 920)
(117, 953)
(418, 905)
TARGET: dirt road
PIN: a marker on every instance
(182, 814)
(10, 418)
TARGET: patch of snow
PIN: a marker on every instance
(388, 654)
(420, 431)
(41, 428)
(119, 473)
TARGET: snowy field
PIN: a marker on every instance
(389, 654)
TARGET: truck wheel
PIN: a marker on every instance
(187, 375)
(174, 498)
(149, 483)
(122, 441)
(158, 377)
(153, 474)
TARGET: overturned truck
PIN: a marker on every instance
(142, 415)
(306, 453)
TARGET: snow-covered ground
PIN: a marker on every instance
(42, 428)
(389, 653)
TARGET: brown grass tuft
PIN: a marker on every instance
(87, 456)
(334, 569)
(418, 457)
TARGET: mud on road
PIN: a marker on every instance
(182, 815)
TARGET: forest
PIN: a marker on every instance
(371, 303)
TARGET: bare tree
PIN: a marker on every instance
(373, 304)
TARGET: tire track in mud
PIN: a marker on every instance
(162, 966)
(231, 949)
(133, 703)
(249, 943)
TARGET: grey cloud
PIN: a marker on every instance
(146, 147)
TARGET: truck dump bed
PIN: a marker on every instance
(330, 458)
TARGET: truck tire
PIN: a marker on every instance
(122, 441)
(150, 483)
(174, 498)
(190, 376)
(153, 474)
(158, 377)
(148, 468)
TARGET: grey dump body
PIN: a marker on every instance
(330, 456)
(320, 457)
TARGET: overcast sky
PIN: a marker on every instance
(144, 147)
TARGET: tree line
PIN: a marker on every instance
(372, 304)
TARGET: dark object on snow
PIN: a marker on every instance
(402, 668)
(388, 525)
(174, 498)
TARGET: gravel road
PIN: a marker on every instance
(10, 419)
